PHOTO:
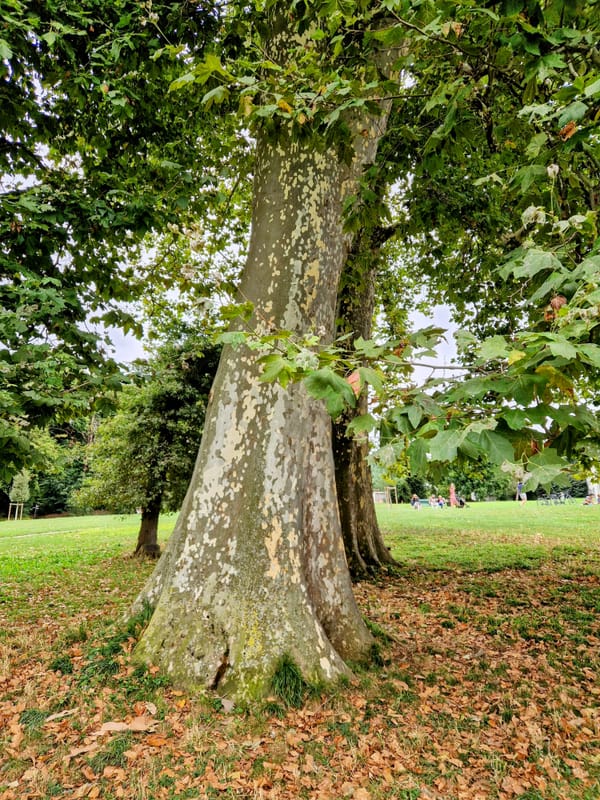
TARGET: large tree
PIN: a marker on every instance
(143, 456)
(256, 568)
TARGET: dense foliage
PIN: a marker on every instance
(95, 155)
(143, 455)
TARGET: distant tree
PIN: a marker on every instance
(19, 490)
(95, 155)
(478, 477)
(60, 464)
(143, 456)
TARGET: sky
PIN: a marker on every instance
(439, 317)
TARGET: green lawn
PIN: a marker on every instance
(31, 548)
(491, 536)
(484, 536)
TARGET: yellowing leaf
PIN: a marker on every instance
(515, 355)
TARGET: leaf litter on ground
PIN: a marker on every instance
(488, 689)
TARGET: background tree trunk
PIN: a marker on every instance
(147, 543)
(366, 551)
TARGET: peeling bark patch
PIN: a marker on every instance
(272, 543)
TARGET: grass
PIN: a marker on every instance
(485, 686)
(39, 547)
(490, 536)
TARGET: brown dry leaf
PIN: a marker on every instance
(361, 794)
(140, 724)
(156, 740)
(309, 763)
(30, 774)
(354, 382)
(116, 774)
(512, 786)
(60, 715)
(568, 130)
(79, 751)
(88, 773)
(137, 725)
(82, 791)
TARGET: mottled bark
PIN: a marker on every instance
(147, 542)
(366, 551)
(255, 567)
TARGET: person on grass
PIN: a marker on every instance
(521, 493)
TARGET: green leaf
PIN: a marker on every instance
(535, 261)
(415, 415)
(417, 454)
(592, 89)
(544, 468)
(276, 368)
(365, 423)
(535, 144)
(217, 95)
(561, 347)
(465, 341)
(573, 112)
(590, 354)
(325, 384)
(497, 448)
(234, 338)
(368, 348)
(444, 446)
(516, 418)
(372, 377)
(492, 348)
(182, 81)
(5, 51)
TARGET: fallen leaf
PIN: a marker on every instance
(117, 774)
(156, 740)
(79, 751)
(137, 725)
(88, 773)
(144, 723)
(61, 715)
(228, 705)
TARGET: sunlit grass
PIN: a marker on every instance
(491, 536)
(38, 547)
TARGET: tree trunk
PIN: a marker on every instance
(255, 568)
(366, 551)
(147, 543)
